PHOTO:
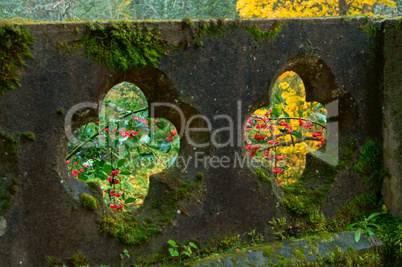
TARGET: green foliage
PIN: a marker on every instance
(355, 210)
(14, 47)
(257, 34)
(371, 164)
(222, 244)
(89, 201)
(256, 238)
(364, 225)
(181, 251)
(390, 233)
(78, 260)
(124, 45)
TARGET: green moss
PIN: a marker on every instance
(89, 201)
(262, 174)
(54, 262)
(14, 47)
(149, 220)
(210, 28)
(267, 251)
(150, 259)
(60, 111)
(9, 169)
(5, 202)
(306, 195)
(371, 165)
(360, 207)
(278, 247)
(188, 22)
(348, 154)
(337, 257)
(257, 34)
(29, 136)
(199, 176)
(122, 46)
(13, 189)
(126, 229)
(78, 260)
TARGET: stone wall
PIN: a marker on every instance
(353, 63)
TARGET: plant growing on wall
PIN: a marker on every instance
(365, 225)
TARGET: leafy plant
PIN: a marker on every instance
(364, 225)
(177, 251)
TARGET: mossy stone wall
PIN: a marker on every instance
(204, 68)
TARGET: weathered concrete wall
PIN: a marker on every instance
(335, 57)
(393, 116)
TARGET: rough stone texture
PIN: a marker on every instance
(334, 57)
(392, 189)
(287, 249)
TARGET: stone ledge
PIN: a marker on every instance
(272, 253)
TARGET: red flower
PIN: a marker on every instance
(68, 162)
(169, 138)
(280, 157)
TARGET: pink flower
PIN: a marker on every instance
(68, 162)
(280, 157)
(82, 170)
(76, 163)
(75, 173)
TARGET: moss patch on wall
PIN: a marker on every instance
(14, 47)
(89, 201)
(306, 195)
(9, 156)
(122, 45)
(258, 34)
(134, 228)
(220, 27)
(371, 165)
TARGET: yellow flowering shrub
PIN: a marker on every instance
(300, 8)
(283, 133)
